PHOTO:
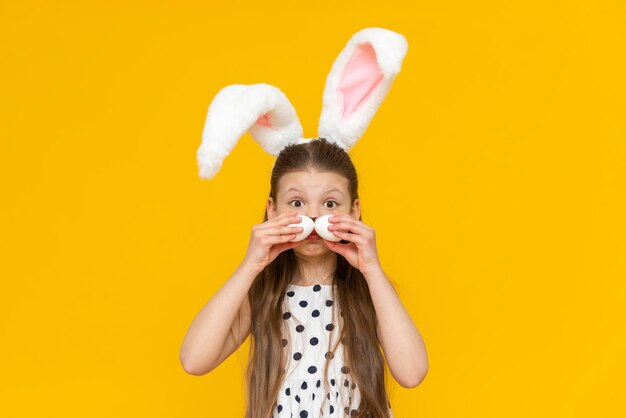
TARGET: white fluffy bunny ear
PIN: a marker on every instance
(260, 109)
(358, 83)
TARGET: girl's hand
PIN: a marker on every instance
(270, 238)
(361, 252)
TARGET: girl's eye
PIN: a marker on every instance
(299, 201)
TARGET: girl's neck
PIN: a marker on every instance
(316, 271)
(312, 280)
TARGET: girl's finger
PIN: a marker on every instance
(282, 219)
(339, 219)
(349, 237)
(349, 226)
(285, 246)
(282, 230)
(278, 239)
(288, 218)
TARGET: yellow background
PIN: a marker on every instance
(494, 175)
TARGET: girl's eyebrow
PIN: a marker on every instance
(294, 189)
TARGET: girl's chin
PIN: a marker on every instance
(311, 246)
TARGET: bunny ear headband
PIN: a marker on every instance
(355, 88)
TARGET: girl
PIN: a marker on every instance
(320, 313)
(317, 310)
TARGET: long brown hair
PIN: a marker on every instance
(267, 360)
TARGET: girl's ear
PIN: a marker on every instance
(260, 109)
(270, 208)
(356, 209)
(358, 82)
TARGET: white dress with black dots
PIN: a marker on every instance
(313, 322)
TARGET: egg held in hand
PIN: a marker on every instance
(307, 225)
(321, 227)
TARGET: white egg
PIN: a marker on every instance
(321, 227)
(307, 226)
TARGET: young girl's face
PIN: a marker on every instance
(314, 194)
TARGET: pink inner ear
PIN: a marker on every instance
(264, 120)
(359, 79)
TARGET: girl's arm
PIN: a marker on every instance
(206, 345)
(401, 341)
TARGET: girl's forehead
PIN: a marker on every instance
(313, 182)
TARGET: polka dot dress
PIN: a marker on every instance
(313, 322)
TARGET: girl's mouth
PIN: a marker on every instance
(313, 237)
